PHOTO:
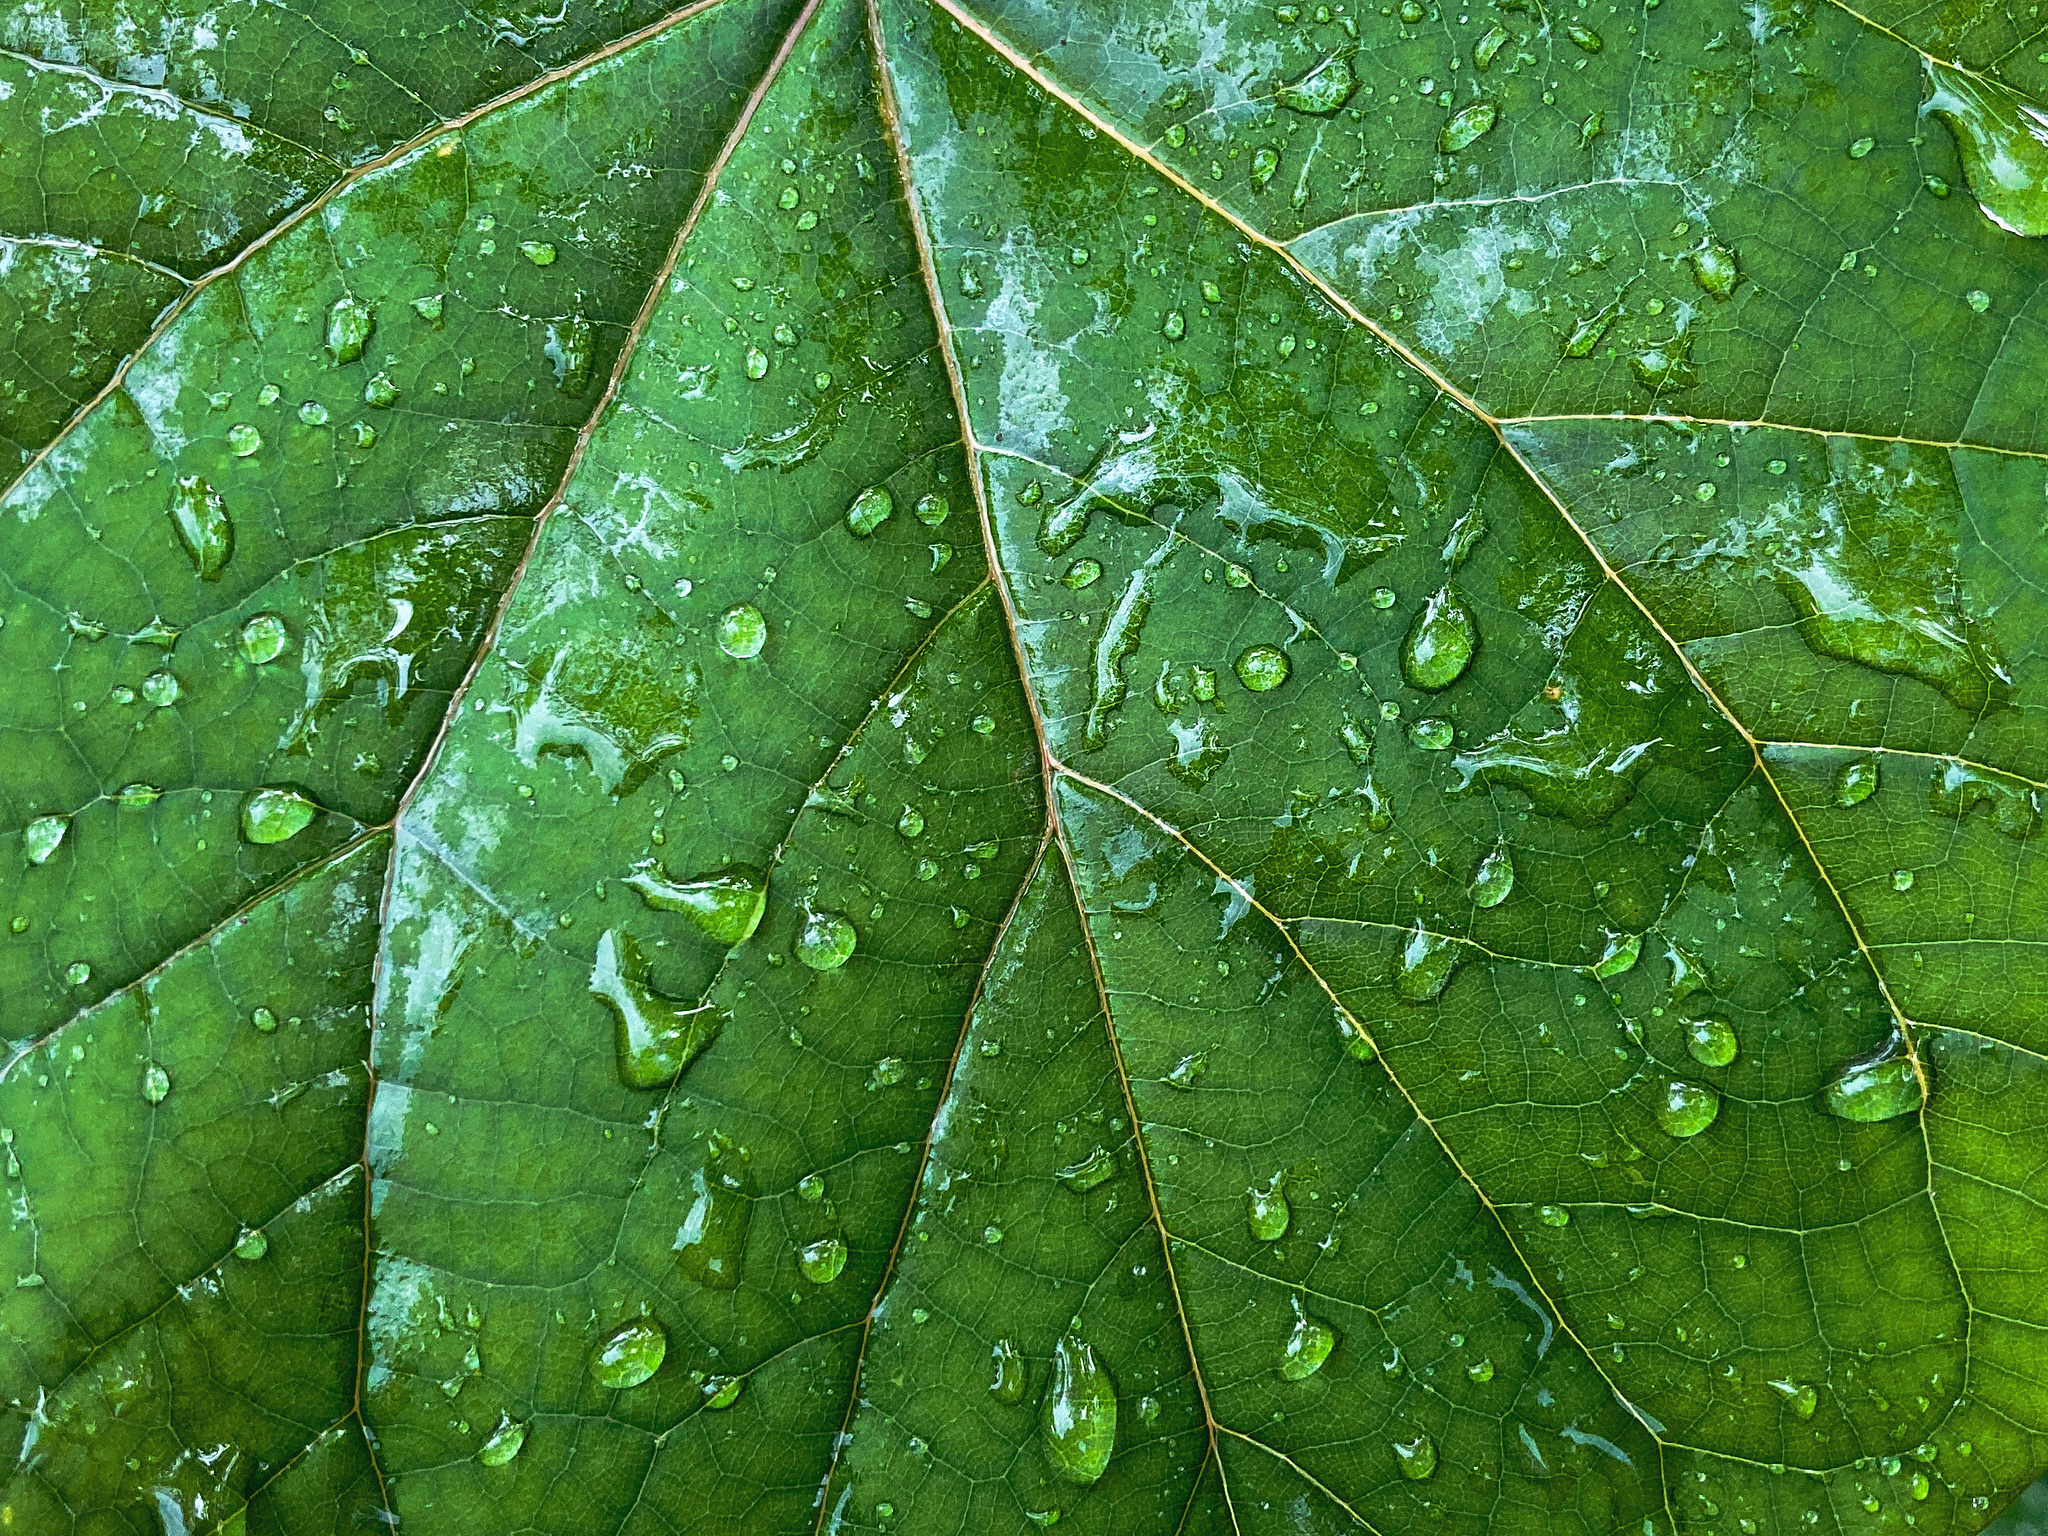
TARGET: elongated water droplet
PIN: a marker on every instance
(822, 1260)
(871, 508)
(156, 1084)
(1553, 1215)
(1620, 956)
(630, 1355)
(726, 905)
(1488, 47)
(1262, 668)
(1426, 964)
(1440, 643)
(1416, 1458)
(1321, 91)
(42, 837)
(826, 940)
(1711, 1042)
(349, 323)
(1308, 1345)
(201, 520)
(273, 815)
(1799, 1396)
(1880, 1086)
(1008, 1377)
(1685, 1109)
(1469, 125)
(1079, 1416)
(742, 632)
(1120, 632)
(1493, 879)
(713, 1237)
(655, 1037)
(505, 1443)
(1586, 333)
(1585, 37)
(2003, 140)
(1267, 1210)
(1090, 1171)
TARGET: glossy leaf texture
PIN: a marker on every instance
(947, 765)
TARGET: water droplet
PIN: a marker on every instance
(504, 1443)
(1426, 964)
(726, 905)
(1266, 1209)
(1321, 91)
(1081, 574)
(871, 508)
(1493, 879)
(822, 1261)
(742, 632)
(1620, 956)
(826, 940)
(1881, 1086)
(1585, 37)
(1308, 1345)
(1481, 1370)
(1857, 782)
(931, 510)
(1686, 1109)
(1175, 326)
(713, 1237)
(428, 306)
(349, 323)
(1802, 1398)
(1079, 1415)
(655, 1037)
(263, 639)
(1383, 597)
(721, 1392)
(1488, 47)
(252, 1244)
(1433, 733)
(1008, 1377)
(380, 393)
(1262, 668)
(244, 440)
(1265, 162)
(42, 837)
(1469, 125)
(630, 1355)
(1187, 1070)
(156, 1084)
(1862, 147)
(160, 688)
(2003, 140)
(1090, 1171)
(887, 1073)
(539, 252)
(203, 527)
(275, 815)
(811, 1187)
(1666, 367)
(1553, 1215)
(1902, 879)
(1416, 1458)
(1978, 300)
(756, 363)
(1714, 268)
(1440, 643)
(1711, 1042)
(265, 1021)
(1586, 333)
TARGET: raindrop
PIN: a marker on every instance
(655, 1037)
(380, 393)
(1079, 1415)
(1440, 643)
(1187, 1070)
(1416, 1458)
(1585, 37)
(265, 1021)
(1488, 47)
(1469, 125)
(871, 508)
(1008, 1376)
(156, 1084)
(1266, 1210)
(1857, 782)
(1620, 956)
(1493, 879)
(822, 1261)
(1714, 268)
(1481, 1370)
(756, 363)
(1175, 326)
(1090, 1171)
(349, 323)
(826, 940)
(504, 1443)
(1308, 1345)
(1686, 1109)
(1432, 734)
(630, 1355)
(1321, 91)
(160, 688)
(244, 440)
(1711, 1042)
(275, 815)
(2003, 139)
(77, 973)
(1262, 668)
(931, 510)
(252, 1244)
(1082, 574)
(721, 1392)
(1553, 1215)
(1426, 964)
(1799, 1396)
(742, 632)
(726, 905)
(1265, 162)
(201, 520)
(42, 837)
(1664, 367)
(713, 1237)
(1881, 1086)
(539, 252)
(263, 639)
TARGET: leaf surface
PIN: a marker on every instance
(1304, 750)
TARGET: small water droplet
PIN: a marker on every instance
(1685, 1109)
(811, 1187)
(160, 688)
(1267, 1210)
(822, 1260)
(1801, 1398)
(265, 1021)
(742, 632)
(1008, 1376)
(275, 815)
(380, 393)
(1857, 782)
(1553, 1215)
(539, 252)
(1432, 733)
(1321, 91)
(42, 837)
(1175, 325)
(826, 940)
(1262, 668)
(1082, 574)
(1585, 37)
(1493, 879)
(1440, 643)
(1862, 147)
(1481, 1370)
(756, 363)
(156, 1084)
(1265, 162)
(77, 973)
(1714, 267)
(201, 520)
(630, 1355)
(1308, 1345)
(1187, 1070)
(428, 306)
(1711, 1042)
(1078, 1419)
(871, 508)
(1902, 879)
(504, 1444)
(721, 1392)
(1416, 1458)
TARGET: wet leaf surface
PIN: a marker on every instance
(939, 766)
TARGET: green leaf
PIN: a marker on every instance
(938, 765)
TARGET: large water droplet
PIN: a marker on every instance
(1686, 1109)
(1416, 1458)
(1090, 1171)
(42, 837)
(1262, 668)
(1440, 643)
(1799, 1396)
(1308, 1345)
(349, 323)
(1620, 956)
(742, 632)
(1321, 91)
(156, 1084)
(203, 527)
(726, 905)
(1857, 782)
(2003, 139)
(656, 1036)
(1711, 1042)
(713, 1237)
(252, 1244)
(871, 508)
(1079, 1415)
(1266, 1210)
(826, 940)
(505, 1442)
(1469, 125)
(263, 639)
(1881, 1086)
(822, 1260)
(1008, 1376)
(1493, 879)
(1714, 267)
(629, 1356)
(274, 815)
(1426, 964)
